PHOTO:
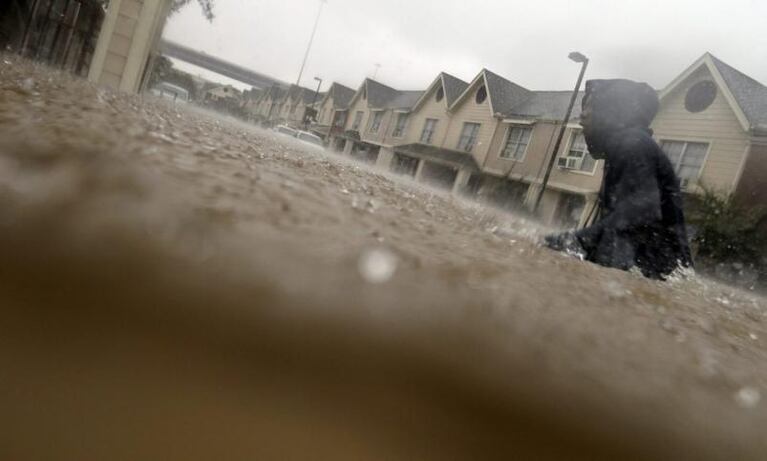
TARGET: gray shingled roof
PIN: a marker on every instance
(750, 95)
(404, 100)
(276, 93)
(379, 95)
(309, 96)
(548, 105)
(505, 95)
(454, 88)
(342, 95)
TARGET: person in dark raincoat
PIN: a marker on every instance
(641, 221)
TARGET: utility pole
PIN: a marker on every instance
(576, 57)
(311, 42)
(314, 102)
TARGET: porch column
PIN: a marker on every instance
(131, 30)
(591, 202)
(419, 171)
(461, 180)
(348, 147)
(385, 157)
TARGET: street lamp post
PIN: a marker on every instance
(579, 58)
(311, 42)
(314, 101)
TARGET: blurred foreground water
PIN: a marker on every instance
(180, 286)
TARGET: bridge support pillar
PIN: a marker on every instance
(131, 31)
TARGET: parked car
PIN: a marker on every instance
(170, 91)
(285, 130)
(309, 138)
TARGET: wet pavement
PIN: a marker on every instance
(311, 305)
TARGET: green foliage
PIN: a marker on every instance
(728, 232)
(164, 71)
(206, 5)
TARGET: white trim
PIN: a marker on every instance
(568, 145)
(358, 93)
(714, 71)
(743, 163)
(468, 91)
(703, 165)
(422, 100)
(476, 138)
(433, 133)
(506, 143)
(519, 121)
(489, 96)
(562, 187)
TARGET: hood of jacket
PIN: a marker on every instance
(614, 106)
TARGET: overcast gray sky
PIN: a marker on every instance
(524, 41)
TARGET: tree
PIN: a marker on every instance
(206, 5)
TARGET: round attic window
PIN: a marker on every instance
(481, 95)
(440, 94)
(700, 96)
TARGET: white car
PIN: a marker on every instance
(170, 91)
(312, 139)
(286, 130)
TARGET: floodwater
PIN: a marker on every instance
(180, 286)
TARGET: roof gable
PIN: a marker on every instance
(341, 95)
(746, 96)
(452, 86)
(503, 95)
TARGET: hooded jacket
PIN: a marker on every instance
(641, 221)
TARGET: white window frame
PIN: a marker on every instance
(399, 132)
(509, 131)
(686, 184)
(474, 140)
(376, 121)
(432, 132)
(575, 163)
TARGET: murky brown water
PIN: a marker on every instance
(176, 286)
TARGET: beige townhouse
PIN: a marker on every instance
(305, 109)
(712, 124)
(377, 119)
(494, 139)
(332, 112)
(454, 125)
(270, 105)
(420, 153)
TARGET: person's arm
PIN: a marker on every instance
(636, 196)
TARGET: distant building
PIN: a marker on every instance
(332, 111)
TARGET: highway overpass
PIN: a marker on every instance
(217, 65)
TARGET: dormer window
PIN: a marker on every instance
(700, 96)
(481, 94)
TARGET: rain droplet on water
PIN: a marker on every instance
(377, 265)
(748, 397)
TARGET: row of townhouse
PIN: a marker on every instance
(493, 139)
(279, 105)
